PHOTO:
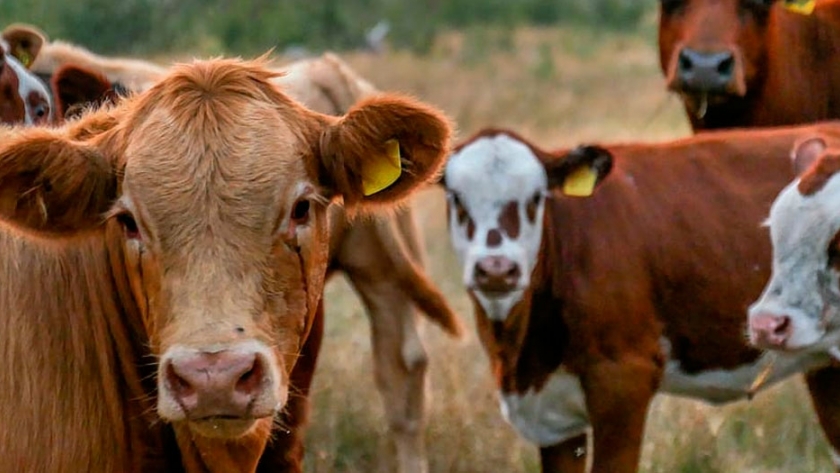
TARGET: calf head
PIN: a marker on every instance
(713, 51)
(211, 189)
(23, 96)
(800, 306)
(497, 186)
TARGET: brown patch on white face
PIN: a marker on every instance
(509, 219)
(494, 238)
(816, 177)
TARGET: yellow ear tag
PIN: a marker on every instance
(804, 7)
(24, 57)
(580, 182)
(381, 171)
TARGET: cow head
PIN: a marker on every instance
(212, 189)
(497, 185)
(800, 306)
(23, 96)
(713, 51)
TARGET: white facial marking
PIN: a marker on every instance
(554, 414)
(803, 286)
(484, 177)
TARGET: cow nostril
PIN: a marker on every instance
(250, 381)
(726, 66)
(177, 384)
(685, 63)
(783, 327)
(512, 272)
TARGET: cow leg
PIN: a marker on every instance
(400, 363)
(284, 452)
(824, 386)
(568, 456)
(399, 357)
(618, 396)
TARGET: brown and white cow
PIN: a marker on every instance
(602, 275)
(799, 309)
(24, 98)
(739, 63)
(164, 260)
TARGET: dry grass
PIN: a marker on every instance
(560, 87)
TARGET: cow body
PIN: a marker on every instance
(588, 306)
(181, 242)
(756, 63)
(25, 98)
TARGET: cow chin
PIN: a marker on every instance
(227, 428)
(498, 305)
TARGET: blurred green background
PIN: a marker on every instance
(253, 26)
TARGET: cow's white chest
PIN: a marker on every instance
(720, 386)
(554, 414)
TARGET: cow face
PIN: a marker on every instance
(800, 306)
(214, 187)
(712, 50)
(496, 189)
(23, 97)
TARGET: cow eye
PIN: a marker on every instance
(461, 214)
(300, 212)
(126, 220)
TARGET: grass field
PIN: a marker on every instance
(558, 87)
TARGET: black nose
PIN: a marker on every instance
(705, 72)
(496, 274)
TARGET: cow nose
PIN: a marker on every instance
(705, 72)
(769, 330)
(494, 274)
(221, 384)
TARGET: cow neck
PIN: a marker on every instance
(61, 300)
(530, 344)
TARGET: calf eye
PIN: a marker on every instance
(461, 214)
(132, 232)
(300, 212)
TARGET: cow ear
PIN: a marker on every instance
(75, 86)
(54, 185)
(579, 172)
(25, 42)
(384, 148)
(805, 152)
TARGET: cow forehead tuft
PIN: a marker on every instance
(498, 167)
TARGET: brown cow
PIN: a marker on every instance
(24, 98)
(739, 63)
(164, 259)
(382, 257)
(588, 305)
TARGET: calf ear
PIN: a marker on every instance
(54, 185)
(579, 172)
(75, 86)
(25, 42)
(382, 150)
(805, 152)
